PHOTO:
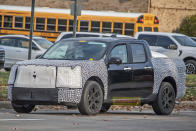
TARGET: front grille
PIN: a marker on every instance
(2, 54)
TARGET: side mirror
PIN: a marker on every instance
(173, 46)
(115, 60)
(38, 56)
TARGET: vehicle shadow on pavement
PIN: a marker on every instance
(75, 112)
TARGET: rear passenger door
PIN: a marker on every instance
(143, 74)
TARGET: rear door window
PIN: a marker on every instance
(138, 53)
(149, 38)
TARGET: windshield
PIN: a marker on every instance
(185, 41)
(43, 43)
(76, 50)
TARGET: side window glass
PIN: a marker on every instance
(140, 29)
(129, 29)
(149, 38)
(84, 26)
(138, 53)
(118, 27)
(18, 22)
(106, 27)
(40, 23)
(164, 42)
(8, 21)
(95, 26)
(23, 43)
(27, 22)
(51, 24)
(62, 24)
(8, 42)
(120, 52)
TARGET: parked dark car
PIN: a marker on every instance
(2, 57)
(95, 73)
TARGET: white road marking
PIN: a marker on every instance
(22, 119)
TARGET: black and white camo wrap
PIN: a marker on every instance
(175, 68)
(163, 68)
(89, 69)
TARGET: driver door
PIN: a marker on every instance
(120, 76)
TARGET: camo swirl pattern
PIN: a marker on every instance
(175, 68)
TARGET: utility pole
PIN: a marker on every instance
(31, 29)
(75, 18)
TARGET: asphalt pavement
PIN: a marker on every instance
(118, 120)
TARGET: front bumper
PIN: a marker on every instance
(46, 96)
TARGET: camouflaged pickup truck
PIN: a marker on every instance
(95, 73)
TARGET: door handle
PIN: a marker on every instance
(18, 51)
(127, 68)
(147, 67)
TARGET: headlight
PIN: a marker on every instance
(67, 77)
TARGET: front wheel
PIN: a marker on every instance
(23, 108)
(92, 99)
(164, 104)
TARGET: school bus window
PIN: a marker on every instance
(84, 26)
(18, 22)
(27, 22)
(51, 24)
(156, 29)
(140, 29)
(118, 28)
(147, 28)
(40, 23)
(71, 25)
(8, 21)
(106, 27)
(0, 21)
(62, 24)
(129, 28)
(95, 26)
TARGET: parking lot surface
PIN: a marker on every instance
(118, 120)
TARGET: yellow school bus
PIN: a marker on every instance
(50, 22)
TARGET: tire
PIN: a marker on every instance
(23, 108)
(190, 66)
(165, 102)
(7, 69)
(92, 99)
(105, 108)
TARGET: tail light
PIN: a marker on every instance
(140, 19)
(156, 20)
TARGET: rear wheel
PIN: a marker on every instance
(92, 99)
(27, 108)
(190, 66)
(165, 101)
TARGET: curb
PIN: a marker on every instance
(7, 104)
